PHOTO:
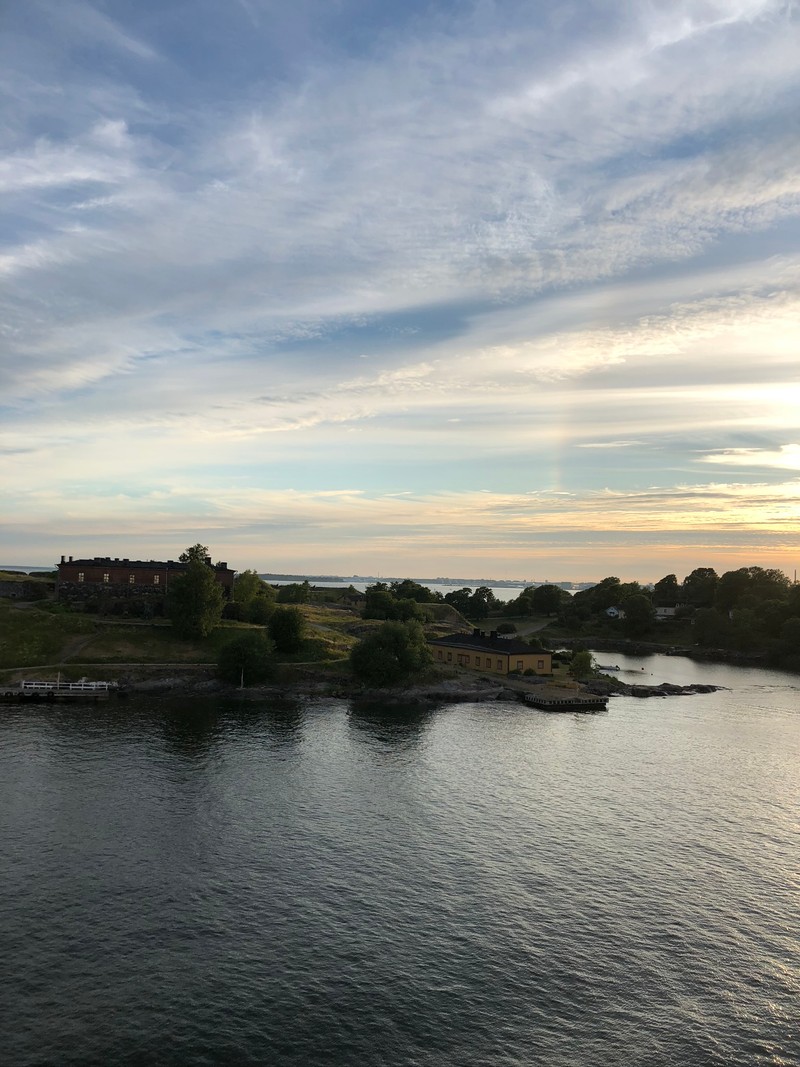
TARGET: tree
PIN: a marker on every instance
(194, 601)
(605, 594)
(481, 602)
(667, 592)
(294, 593)
(411, 590)
(250, 584)
(699, 587)
(247, 659)
(255, 597)
(755, 582)
(380, 602)
(639, 614)
(392, 654)
(196, 554)
(521, 605)
(404, 610)
(547, 599)
(459, 599)
(711, 629)
(287, 627)
(582, 664)
(259, 610)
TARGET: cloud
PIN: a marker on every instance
(787, 457)
(529, 249)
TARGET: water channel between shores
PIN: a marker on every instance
(207, 880)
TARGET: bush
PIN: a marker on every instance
(582, 665)
(287, 628)
(247, 659)
(506, 628)
(391, 655)
(194, 601)
(259, 611)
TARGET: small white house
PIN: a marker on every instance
(665, 613)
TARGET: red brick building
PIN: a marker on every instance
(80, 579)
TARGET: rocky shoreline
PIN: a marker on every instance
(449, 690)
(612, 687)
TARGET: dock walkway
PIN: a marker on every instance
(58, 690)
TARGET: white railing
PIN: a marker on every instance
(67, 687)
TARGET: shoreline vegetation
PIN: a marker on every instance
(300, 641)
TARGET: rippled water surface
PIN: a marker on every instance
(206, 882)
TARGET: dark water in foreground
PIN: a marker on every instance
(216, 883)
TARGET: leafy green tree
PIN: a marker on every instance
(460, 599)
(411, 590)
(772, 615)
(756, 582)
(294, 593)
(546, 599)
(405, 610)
(667, 592)
(788, 647)
(700, 586)
(246, 659)
(639, 614)
(521, 605)
(582, 664)
(380, 602)
(196, 554)
(482, 602)
(287, 627)
(391, 655)
(606, 594)
(248, 585)
(711, 628)
(194, 601)
(259, 610)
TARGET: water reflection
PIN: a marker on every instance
(391, 724)
(194, 729)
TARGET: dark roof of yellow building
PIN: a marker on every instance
(480, 642)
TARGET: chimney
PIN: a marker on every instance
(63, 560)
(493, 635)
(70, 559)
(476, 632)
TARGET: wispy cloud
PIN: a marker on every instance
(534, 249)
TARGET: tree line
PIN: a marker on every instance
(751, 610)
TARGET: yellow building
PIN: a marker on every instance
(501, 655)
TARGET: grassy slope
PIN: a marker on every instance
(34, 635)
(39, 638)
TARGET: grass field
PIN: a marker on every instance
(39, 635)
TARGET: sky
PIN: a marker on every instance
(506, 289)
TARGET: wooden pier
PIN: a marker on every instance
(582, 702)
(58, 690)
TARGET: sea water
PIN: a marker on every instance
(213, 881)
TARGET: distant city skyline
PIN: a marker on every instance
(452, 288)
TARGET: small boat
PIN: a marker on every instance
(607, 667)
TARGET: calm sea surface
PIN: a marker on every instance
(208, 882)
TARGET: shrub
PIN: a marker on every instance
(259, 611)
(247, 659)
(391, 655)
(287, 628)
